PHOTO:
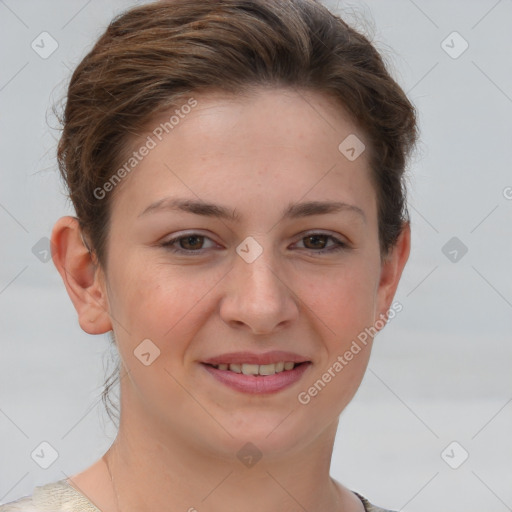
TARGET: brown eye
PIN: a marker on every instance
(191, 242)
(317, 243)
(187, 244)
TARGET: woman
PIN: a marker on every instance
(236, 168)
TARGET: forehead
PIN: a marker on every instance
(308, 121)
(269, 142)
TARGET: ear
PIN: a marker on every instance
(83, 277)
(391, 271)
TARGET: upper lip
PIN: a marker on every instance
(275, 356)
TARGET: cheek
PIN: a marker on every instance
(158, 300)
(343, 311)
(343, 298)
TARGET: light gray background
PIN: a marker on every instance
(440, 371)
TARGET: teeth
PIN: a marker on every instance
(250, 369)
(255, 369)
(237, 368)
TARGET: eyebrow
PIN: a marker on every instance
(292, 211)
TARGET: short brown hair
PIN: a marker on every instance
(152, 56)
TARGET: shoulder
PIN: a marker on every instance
(368, 507)
(53, 497)
(22, 505)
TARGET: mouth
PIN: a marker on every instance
(257, 369)
(258, 379)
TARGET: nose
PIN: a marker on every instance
(258, 296)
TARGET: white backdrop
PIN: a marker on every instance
(440, 372)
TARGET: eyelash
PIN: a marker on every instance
(169, 244)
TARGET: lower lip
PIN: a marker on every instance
(258, 384)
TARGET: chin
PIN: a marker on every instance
(276, 433)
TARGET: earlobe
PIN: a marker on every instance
(391, 271)
(84, 280)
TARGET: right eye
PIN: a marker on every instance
(188, 244)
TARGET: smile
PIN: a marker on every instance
(255, 369)
(258, 379)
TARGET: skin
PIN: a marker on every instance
(180, 429)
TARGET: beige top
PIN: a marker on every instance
(62, 497)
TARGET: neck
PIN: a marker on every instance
(154, 467)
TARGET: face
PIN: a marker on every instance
(266, 275)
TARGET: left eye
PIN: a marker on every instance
(315, 237)
(190, 244)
